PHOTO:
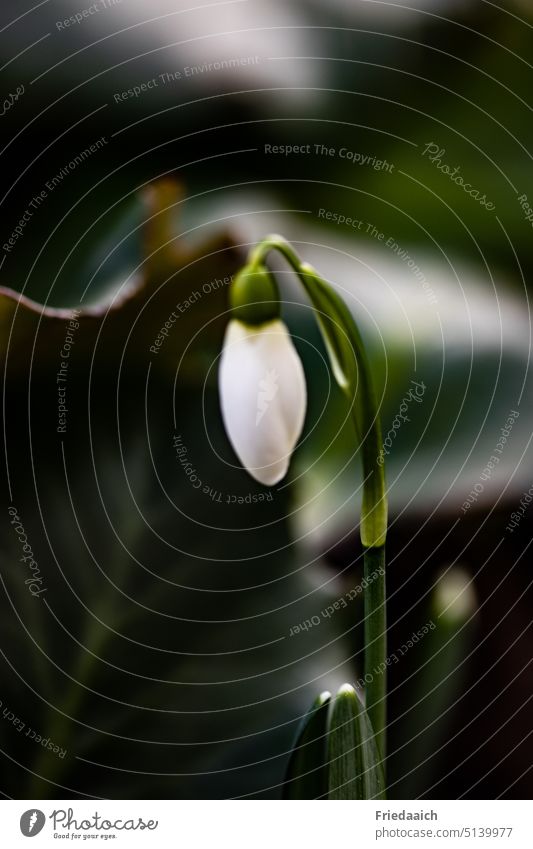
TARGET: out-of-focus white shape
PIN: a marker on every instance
(200, 44)
(182, 48)
(397, 8)
(455, 597)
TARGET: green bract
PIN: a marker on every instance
(254, 297)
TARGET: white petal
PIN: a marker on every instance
(263, 397)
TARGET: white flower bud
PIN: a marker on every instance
(263, 397)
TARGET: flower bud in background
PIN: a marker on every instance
(454, 597)
(261, 380)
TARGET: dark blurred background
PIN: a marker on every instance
(144, 149)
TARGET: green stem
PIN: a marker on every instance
(376, 643)
(352, 372)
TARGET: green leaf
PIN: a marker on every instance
(355, 770)
(306, 776)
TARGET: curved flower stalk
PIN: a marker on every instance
(255, 306)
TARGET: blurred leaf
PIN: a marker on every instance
(438, 682)
(306, 776)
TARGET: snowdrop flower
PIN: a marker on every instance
(263, 396)
(261, 379)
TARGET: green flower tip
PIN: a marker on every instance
(254, 297)
(323, 698)
(307, 268)
(346, 691)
